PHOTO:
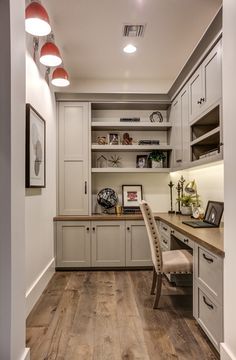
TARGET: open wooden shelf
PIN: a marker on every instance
(142, 125)
(96, 147)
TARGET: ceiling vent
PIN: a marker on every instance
(133, 30)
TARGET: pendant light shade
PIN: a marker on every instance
(50, 55)
(37, 20)
(60, 77)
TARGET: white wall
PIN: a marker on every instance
(209, 180)
(155, 188)
(228, 350)
(40, 204)
(12, 177)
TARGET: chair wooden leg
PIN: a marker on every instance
(154, 281)
(158, 291)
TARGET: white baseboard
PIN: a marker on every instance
(35, 291)
(225, 353)
(26, 355)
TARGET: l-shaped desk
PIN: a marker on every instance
(111, 241)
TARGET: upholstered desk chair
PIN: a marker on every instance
(173, 261)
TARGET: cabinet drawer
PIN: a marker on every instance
(184, 239)
(164, 229)
(165, 242)
(209, 316)
(209, 272)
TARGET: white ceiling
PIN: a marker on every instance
(89, 34)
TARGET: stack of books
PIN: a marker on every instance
(149, 142)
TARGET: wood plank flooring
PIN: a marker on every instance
(108, 315)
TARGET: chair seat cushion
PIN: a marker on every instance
(177, 261)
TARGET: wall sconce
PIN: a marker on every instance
(60, 77)
(37, 20)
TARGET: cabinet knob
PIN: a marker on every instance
(172, 232)
(202, 100)
(186, 241)
(93, 228)
(87, 228)
(128, 228)
(199, 102)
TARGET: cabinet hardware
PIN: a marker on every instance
(210, 260)
(199, 102)
(202, 100)
(128, 228)
(179, 160)
(209, 305)
(93, 228)
(172, 232)
(221, 144)
(85, 187)
(186, 241)
(87, 228)
(165, 241)
(164, 228)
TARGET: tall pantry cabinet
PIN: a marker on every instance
(73, 158)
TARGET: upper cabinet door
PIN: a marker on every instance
(195, 95)
(73, 159)
(184, 109)
(212, 77)
(176, 136)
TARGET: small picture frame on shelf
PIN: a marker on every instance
(142, 161)
(131, 196)
(113, 139)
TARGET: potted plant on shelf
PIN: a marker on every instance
(156, 158)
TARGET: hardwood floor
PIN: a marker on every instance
(107, 315)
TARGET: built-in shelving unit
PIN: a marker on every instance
(206, 137)
(144, 126)
(134, 147)
(130, 170)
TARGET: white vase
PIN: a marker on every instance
(157, 164)
(186, 210)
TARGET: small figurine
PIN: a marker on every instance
(102, 162)
(127, 140)
(102, 140)
(115, 161)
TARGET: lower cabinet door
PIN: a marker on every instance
(73, 244)
(208, 313)
(108, 243)
(137, 244)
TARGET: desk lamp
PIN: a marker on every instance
(191, 189)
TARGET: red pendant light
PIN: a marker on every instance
(37, 20)
(60, 77)
(50, 55)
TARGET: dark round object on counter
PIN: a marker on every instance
(107, 198)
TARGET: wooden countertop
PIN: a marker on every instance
(212, 239)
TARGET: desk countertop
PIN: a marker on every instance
(212, 239)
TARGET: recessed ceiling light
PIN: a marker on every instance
(129, 49)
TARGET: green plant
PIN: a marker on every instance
(157, 155)
(187, 200)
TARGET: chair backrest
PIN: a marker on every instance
(153, 235)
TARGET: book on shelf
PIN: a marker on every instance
(149, 142)
(133, 119)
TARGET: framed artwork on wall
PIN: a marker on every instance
(35, 173)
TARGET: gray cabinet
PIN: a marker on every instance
(137, 244)
(108, 243)
(73, 244)
(205, 86)
(208, 293)
(73, 158)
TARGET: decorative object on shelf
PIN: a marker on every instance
(131, 197)
(35, 149)
(118, 209)
(171, 211)
(182, 181)
(101, 162)
(113, 139)
(115, 161)
(101, 140)
(149, 142)
(127, 140)
(142, 161)
(156, 116)
(156, 158)
(198, 212)
(191, 188)
(107, 198)
(178, 188)
(133, 119)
